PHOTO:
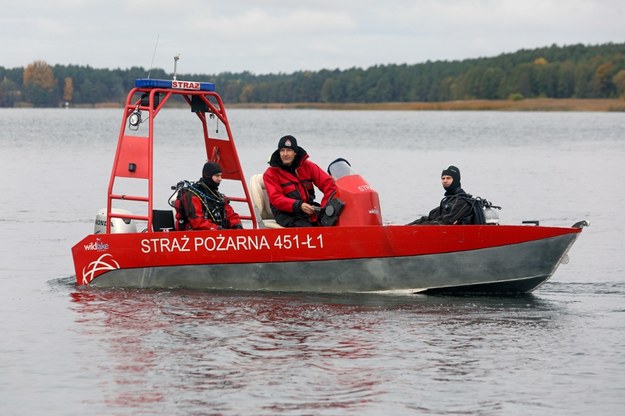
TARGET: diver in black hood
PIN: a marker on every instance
(454, 207)
(201, 206)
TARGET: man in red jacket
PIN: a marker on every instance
(289, 181)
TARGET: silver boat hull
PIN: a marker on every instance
(514, 268)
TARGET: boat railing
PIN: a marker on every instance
(135, 152)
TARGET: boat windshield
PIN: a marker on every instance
(339, 168)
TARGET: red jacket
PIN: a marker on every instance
(287, 191)
(196, 215)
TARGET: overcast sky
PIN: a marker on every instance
(273, 36)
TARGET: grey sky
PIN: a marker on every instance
(285, 36)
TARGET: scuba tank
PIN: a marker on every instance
(212, 206)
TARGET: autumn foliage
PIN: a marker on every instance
(575, 72)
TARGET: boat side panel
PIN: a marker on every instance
(534, 260)
(99, 254)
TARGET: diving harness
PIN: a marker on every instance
(216, 213)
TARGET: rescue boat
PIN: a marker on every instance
(140, 247)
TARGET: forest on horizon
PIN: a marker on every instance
(575, 71)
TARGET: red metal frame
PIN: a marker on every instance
(138, 150)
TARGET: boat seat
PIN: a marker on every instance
(163, 220)
(260, 201)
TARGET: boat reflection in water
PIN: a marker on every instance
(291, 353)
(207, 348)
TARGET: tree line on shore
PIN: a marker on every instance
(575, 71)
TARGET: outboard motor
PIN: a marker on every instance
(362, 204)
(118, 225)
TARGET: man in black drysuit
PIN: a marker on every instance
(455, 207)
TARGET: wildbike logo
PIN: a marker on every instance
(96, 245)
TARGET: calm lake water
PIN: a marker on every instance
(560, 351)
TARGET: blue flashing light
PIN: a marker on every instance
(174, 84)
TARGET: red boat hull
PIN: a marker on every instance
(482, 258)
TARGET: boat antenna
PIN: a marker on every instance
(176, 57)
(158, 35)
